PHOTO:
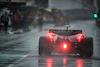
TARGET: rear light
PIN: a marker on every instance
(80, 36)
(37, 18)
(44, 17)
(50, 35)
(65, 46)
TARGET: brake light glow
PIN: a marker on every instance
(37, 18)
(80, 36)
(50, 35)
(65, 46)
(44, 17)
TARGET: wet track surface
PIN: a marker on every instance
(25, 54)
(58, 61)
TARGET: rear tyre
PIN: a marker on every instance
(44, 47)
(86, 47)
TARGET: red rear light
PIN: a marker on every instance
(37, 18)
(80, 36)
(50, 35)
(64, 45)
(44, 17)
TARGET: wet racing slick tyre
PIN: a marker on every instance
(44, 46)
(86, 47)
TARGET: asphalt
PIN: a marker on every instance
(5, 38)
(9, 40)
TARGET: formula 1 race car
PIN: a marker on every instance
(66, 42)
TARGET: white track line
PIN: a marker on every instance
(11, 65)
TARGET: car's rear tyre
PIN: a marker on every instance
(44, 46)
(86, 47)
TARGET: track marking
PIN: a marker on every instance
(11, 65)
(17, 61)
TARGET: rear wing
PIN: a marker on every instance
(65, 32)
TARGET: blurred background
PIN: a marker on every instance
(52, 11)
